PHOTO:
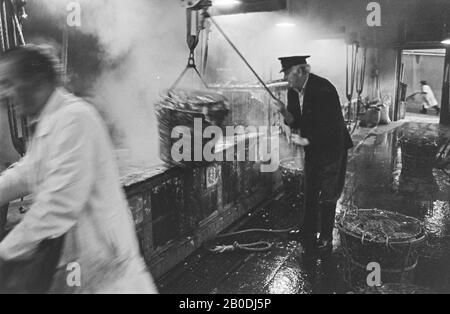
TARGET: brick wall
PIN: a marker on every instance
(178, 210)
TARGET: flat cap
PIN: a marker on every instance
(288, 62)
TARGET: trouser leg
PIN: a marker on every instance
(311, 213)
(3, 218)
(332, 180)
(3, 210)
(328, 210)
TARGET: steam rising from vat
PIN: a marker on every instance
(261, 39)
(144, 49)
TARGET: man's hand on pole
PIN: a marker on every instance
(298, 140)
(283, 110)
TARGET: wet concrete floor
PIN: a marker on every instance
(376, 178)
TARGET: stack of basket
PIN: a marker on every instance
(418, 154)
(180, 108)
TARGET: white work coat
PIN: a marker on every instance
(429, 98)
(71, 171)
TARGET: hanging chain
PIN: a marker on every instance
(361, 73)
(8, 15)
(2, 37)
(6, 27)
(360, 81)
(351, 73)
(355, 80)
(351, 67)
(192, 42)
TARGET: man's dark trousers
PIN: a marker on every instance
(324, 184)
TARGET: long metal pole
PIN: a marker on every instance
(399, 84)
(243, 58)
(445, 107)
(2, 38)
(19, 30)
(5, 27)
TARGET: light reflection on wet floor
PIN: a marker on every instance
(376, 179)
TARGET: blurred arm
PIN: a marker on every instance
(13, 182)
(62, 195)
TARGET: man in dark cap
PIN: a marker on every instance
(314, 112)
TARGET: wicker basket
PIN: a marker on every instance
(372, 117)
(397, 255)
(180, 108)
(418, 157)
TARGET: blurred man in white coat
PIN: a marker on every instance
(429, 100)
(70, 170)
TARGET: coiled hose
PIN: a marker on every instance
(260, 246)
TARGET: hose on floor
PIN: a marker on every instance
(260, 246)
(443, 159)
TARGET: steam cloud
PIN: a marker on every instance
(144, 47)
(262, 42)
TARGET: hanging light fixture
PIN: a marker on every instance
(446, 40)
(446, 37)
(226, 3)
(286, 24)
(286, 20)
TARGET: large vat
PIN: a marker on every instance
(176, 210)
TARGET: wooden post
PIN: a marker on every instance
(3, 219)
(3, 210)
(398, 82)
(445, 107)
